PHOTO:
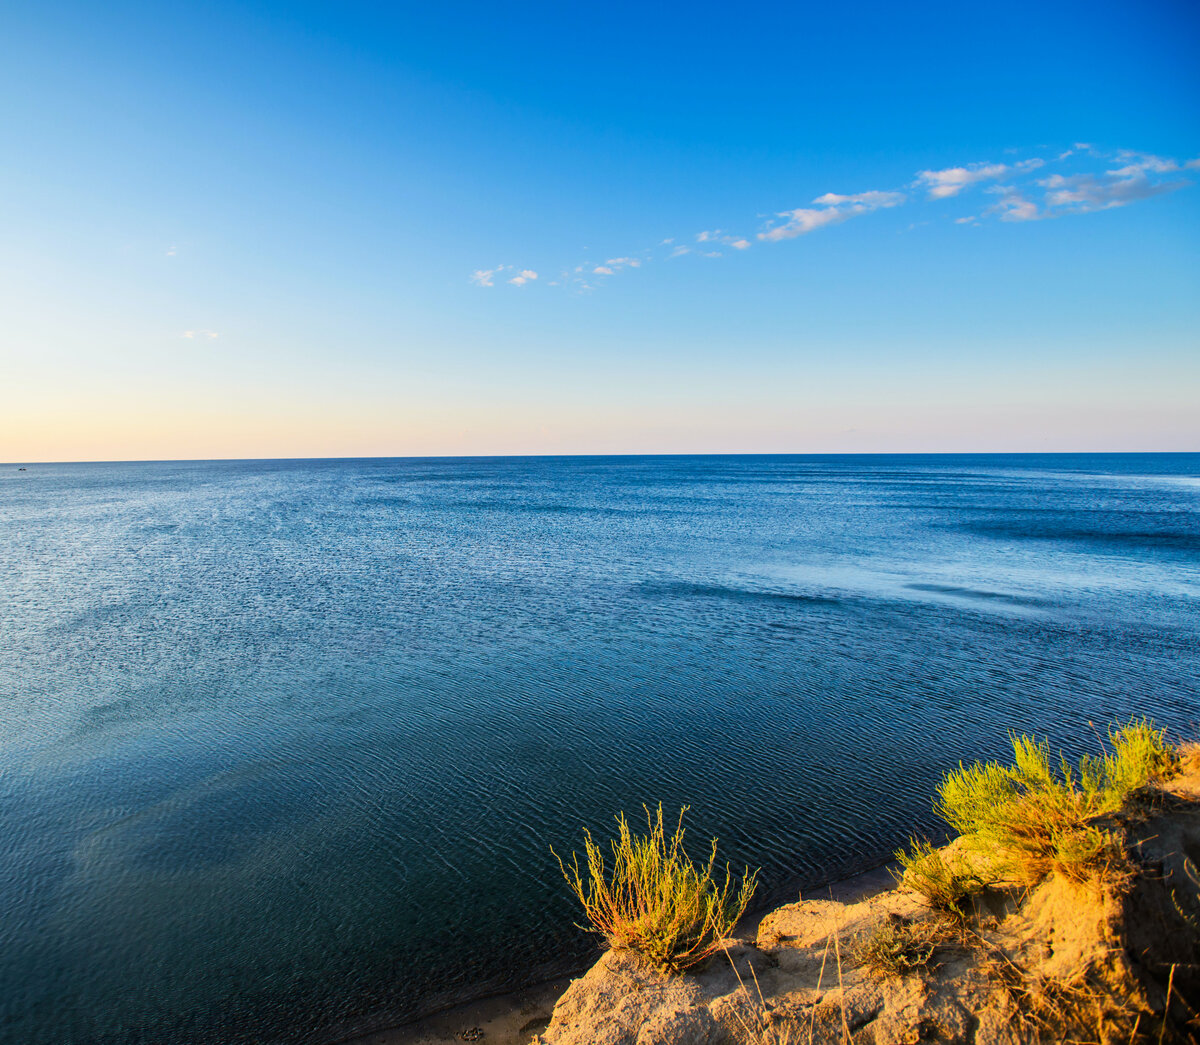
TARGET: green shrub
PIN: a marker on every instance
(1141, 756)
(1039, 816)
(654, 900)
(946, 882)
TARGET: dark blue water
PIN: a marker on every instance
(284, 745)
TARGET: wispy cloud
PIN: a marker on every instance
(1013, 206)
(831, 209)
(1081, 193)
(200, 335)
(951, 181)
(1143, 163)
(488, 277)
(1076, 187)
(721, 236)
(485, 277)
(1137, 178)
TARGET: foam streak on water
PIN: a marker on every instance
(284, 745)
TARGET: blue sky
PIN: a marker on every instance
(293, 230)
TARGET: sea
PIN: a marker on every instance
(286, 746)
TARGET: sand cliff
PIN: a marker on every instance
(1058, 962)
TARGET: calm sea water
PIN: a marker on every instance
(284, 745)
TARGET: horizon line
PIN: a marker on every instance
(602, 454)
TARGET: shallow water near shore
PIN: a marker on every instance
(284, 745)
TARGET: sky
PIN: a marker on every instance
(341, 230)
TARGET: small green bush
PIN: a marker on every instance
(946, 882)
(654, 900)
(1040, 817)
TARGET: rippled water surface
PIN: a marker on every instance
(284, 745)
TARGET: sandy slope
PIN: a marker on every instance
(1060, 962)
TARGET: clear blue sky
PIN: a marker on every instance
(232, 230)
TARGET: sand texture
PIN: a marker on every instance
(1059, 962)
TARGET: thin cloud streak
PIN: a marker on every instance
(488, 277)
(1130, 176)
(951, 181)
(832, 209)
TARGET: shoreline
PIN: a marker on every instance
(513, 1017)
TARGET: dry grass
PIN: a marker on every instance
(897, 946)
(1078, 1010)
(759, 1027)
(1041, 817)
(653, 899)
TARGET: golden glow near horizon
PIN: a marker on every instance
(167, 422)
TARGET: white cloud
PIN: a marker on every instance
(1018, 197)
(872, 200)
(1082, 193)
(1076, 147)
(803, 220)
(484, 277)
(1013, 206)
(172, 251)
(721, 236)
(200, 335)
(616, 264)
(487, 277)
(1143, 162)
(952, 180)
(833, 209)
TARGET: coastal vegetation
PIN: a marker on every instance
(898, 946)
(1066, 909)
(653, 899)
(946, 880)
(1020, 822)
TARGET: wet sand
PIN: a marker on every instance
(507, 1019)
